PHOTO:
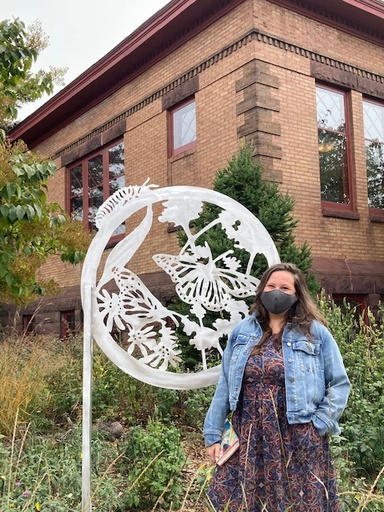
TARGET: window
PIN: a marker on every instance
(67, 323)
(374, 152)
(333, 141)
(183, 127)
(93, 180)
(356, 302)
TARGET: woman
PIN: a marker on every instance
(284, 378)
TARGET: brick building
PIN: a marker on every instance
(302, 79)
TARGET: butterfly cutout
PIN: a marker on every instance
(205, 282)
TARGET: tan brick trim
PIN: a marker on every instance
(344, 78)
(94, 141)
(257, 106)
(112, 129)
(180, 93)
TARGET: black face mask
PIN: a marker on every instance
(277, 301)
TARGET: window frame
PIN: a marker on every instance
(83, 162)
(330, 208)
(375, 214)
(171, 125)
(362, 300)
(66, 330)
(28, 324)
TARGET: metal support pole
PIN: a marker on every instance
(87, 399)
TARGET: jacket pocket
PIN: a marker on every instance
(241, 339)
(238, 346)
(307, 354)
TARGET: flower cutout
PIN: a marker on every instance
(176, 212)
(165, 352)
(143, 339)
(111, 309)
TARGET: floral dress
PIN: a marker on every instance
(278, 467)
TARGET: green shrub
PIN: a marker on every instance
(362, 347)
(154, 458)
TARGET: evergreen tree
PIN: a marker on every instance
(243, 181)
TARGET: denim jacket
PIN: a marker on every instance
(316, 383)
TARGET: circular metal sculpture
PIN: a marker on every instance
(121, 301)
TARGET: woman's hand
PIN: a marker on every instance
(213, 452)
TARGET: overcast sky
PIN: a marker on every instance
(80, 31)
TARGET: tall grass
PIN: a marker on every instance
(25, 366)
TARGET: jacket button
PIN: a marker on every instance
(289, 343)
(292, 379)
(290, 360)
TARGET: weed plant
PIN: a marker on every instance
(25, 368)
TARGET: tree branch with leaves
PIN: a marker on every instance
(31, 228)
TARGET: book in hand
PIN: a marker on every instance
(229, 443)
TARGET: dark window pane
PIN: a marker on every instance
(332, 143)
(116, 184)
(375, 173)
(116, 168)
(67, 324)
(76, 180)
(330, 109)
(95, 197)
(333, 167)
(119, 230)
(28, 324)
(355, 304)
(93, 181)
(116, 160)
(116, 175)
(374, 152)
(91, 218)
(95, 201)
(95, 171)
(374, 121)
(77, 208)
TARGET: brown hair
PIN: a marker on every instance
(302, 313)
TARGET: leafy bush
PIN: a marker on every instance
(154, 459)
(40, 466)
(44, 473)
(362, 347)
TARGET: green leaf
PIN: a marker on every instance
(20, 212)
(11, 187)
(4, 210)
